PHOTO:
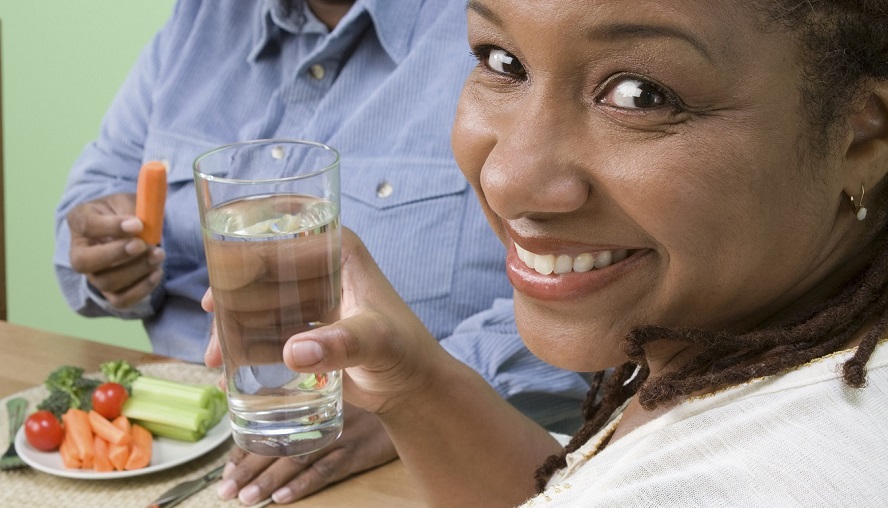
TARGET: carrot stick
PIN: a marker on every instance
(102, 461)
(140, 455)
(106, 430)
(151, 191)
(68, 453)
(122, 423)
(77, 426)
(118, 454)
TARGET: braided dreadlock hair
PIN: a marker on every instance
(847, 45)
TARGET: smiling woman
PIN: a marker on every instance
(694, 202)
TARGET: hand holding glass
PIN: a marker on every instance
(270, 216)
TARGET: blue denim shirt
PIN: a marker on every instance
(381, 88)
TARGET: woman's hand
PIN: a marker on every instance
(384, 347)
(386, 350)
(379, 332)
(363, 445)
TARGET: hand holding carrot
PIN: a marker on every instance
(107, 248)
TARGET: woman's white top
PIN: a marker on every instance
(800, 439)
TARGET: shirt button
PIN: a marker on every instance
(317, 71)
(384, 190)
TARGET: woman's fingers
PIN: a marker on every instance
(363, 444)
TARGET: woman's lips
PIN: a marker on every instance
(565, 276)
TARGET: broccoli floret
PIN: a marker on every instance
(121, 372)
(64, 379)
(70, 382)
(57, 402)
(85, 387)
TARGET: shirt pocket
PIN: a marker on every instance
(410, 216)
(182, 237)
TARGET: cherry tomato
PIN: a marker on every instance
(108, 399)
(43, 431)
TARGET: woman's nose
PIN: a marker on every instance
(536, 167)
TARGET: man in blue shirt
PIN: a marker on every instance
(378, 81)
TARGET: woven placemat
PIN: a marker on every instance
(29, 487)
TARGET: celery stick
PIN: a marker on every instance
(172, 391)
(168, 431)
(311, 434)
(219, 406)
(168, 413)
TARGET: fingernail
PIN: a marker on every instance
(131, 225)
(156, 256)
(249, 495)
(227, 489)
(282, 495)
(134, 247)
(227, 470)
(307, 352)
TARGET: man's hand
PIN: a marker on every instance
(104, 247)
(252, 478)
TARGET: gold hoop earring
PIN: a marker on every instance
(859, 209)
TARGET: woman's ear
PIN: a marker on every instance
(867, 155)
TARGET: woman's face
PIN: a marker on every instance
(660, 143)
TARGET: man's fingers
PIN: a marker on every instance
(90, 257)
(132, 294)
(96, 221)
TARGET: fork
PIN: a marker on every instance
(16, 408)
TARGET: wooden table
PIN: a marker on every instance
(27, 355)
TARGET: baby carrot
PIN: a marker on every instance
(77, 427)
(68, 453)
(101, 461)
(118, 454)
(106, 430)
(140, 455)
(151, 191)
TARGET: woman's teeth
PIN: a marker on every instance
(547, 264)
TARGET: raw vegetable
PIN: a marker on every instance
(101, 462)
(91, 441)
(69, 454)
(108, 399)
(118, 454)
(140, 453)
(106, 430)
(69, 388)
(43, 431)
(78, 429)
(171, 432)
(151, 193)
(69, 380)
(175, 410)
(57, 402)
(120, 372)
(169, 413)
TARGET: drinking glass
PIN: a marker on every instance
(269, 210)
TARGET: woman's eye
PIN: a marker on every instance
(503, 62)
(634, 93)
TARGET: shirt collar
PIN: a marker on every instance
(395, 24)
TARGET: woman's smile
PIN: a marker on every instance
(562, 273)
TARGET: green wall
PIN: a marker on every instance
(62, 62)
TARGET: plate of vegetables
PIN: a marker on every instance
(120, 425)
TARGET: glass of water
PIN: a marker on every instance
(269, 210)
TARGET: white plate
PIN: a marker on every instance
(165, 453)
